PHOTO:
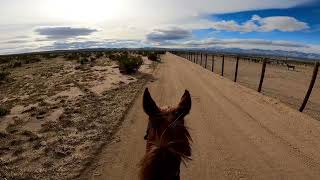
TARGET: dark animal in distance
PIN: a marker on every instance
(291, 66)
(168, 139)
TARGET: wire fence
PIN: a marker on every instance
(288, 81)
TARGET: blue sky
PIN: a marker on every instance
(308, 13)
(37, 25)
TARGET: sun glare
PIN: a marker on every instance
(87, 10)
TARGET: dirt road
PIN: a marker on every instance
(237, 133)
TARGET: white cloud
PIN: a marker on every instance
(64, 32)
(172, 34)
(267, 24)
(39, 11)
(281, 23)
(128, 19)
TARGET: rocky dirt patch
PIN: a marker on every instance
(60, 115)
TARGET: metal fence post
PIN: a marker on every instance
(313, 79)
(222, 64)
(262, 74)
(236, 71)
(212, 65)
(205, 63)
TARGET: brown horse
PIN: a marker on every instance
(168, 140)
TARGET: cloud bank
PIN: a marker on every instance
(160, 35)
(64, 32)
(259, 24)
(47, 24)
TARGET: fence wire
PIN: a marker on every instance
(287, 85)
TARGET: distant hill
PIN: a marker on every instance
(270, 53)
(278, 54)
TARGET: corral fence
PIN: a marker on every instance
(217, 63)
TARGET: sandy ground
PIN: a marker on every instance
(286, 85)
(237, 132)
(61, 113)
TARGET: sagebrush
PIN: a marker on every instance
(128, 63)
(3, 111)
(3, 75)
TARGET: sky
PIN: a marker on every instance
(41, 25)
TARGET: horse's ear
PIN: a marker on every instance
(185, 103)
(149, 106)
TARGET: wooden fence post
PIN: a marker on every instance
(197, 58)
(236, 71)
(200, 59)
(193, 58)
(212, 65)
(262, 74)
(313, 79)
(222, 68)
(205, 62)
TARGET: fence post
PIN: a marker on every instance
(197, 58)
(222, 68)
(262, 74)
(236, 71)
(206, 61)
(212, 65)
(200, 59)
(194, 57)
(313, 79)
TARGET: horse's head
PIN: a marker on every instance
(168, 138)
(166, 121)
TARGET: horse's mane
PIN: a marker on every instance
(163, 156)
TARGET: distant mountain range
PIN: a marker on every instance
(278, 54)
